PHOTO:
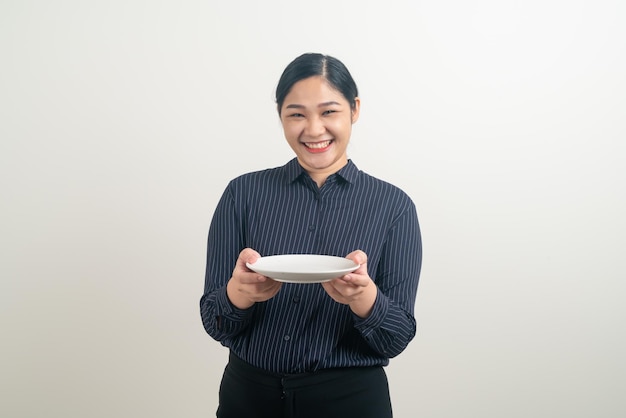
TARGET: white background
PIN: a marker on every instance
(121, 123)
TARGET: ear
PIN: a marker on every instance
(356, 109)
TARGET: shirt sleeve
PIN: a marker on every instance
(221, 319)
(391, 325)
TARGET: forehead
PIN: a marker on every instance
(313, 90)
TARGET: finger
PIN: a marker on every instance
(251, 277)
(345, 289)
(260, 292)
(247, 255)
(332, 292)
(358, 256)
(327, 287)
(336, 287)
(356, 280)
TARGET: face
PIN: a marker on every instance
(317, 122)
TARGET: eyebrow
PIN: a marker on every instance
(299, 106)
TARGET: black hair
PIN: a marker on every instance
(312, 64)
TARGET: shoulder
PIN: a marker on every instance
(255, 177)
(269, 177)
(265, 181)
(382, 190)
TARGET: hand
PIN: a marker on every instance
(246, 287)
(355, 289)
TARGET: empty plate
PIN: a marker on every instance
(303, 268)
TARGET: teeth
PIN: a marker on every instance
(317, 145)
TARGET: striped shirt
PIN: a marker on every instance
(302, 329)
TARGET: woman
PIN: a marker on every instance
(311, 350)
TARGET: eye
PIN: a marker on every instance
(328, 112)
(296, 115)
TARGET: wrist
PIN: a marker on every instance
(236, 297)
(363, 306)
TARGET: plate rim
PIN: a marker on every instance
(311, 275)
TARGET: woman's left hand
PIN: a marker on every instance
(355, 289)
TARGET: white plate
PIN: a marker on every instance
(303, 268)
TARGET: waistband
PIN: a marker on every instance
(297, 380)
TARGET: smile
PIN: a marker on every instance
(317, 145)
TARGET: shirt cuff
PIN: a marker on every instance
(226, 309)
(379, 311)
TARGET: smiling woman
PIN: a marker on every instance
(317, 348)
(317, 121)
(318, 102)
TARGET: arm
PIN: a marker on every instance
(227, 305)
(222, 319)
(383, 310)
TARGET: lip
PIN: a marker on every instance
(318, 150)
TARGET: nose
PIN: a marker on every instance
(314, 127)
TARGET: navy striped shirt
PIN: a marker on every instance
(301, 329)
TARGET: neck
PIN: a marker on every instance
(319, 179)
(319, 176)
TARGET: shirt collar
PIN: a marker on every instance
(293, 170)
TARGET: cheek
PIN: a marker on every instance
(289, 132)
(338, 126)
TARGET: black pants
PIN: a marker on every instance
(249, 392)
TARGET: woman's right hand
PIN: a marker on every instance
(247, 287)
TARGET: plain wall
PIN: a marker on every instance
(121, 123)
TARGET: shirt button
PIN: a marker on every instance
(311, 227)
(296, 299)
(286, 338)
